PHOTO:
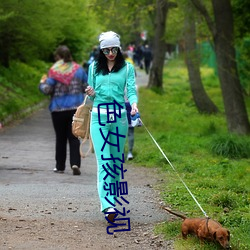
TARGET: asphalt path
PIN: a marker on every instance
(29, 188)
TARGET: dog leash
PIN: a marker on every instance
(174, 169)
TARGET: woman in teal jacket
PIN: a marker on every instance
(108, 78)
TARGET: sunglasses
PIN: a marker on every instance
(106, 51)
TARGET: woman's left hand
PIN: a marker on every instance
(134, 109)
(90, 91)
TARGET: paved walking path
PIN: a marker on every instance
(30, 190)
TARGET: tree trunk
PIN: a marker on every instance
(159, 46)
(235, 109)
(201, 99)
(223, 38)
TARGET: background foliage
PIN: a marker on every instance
(28, 33)
(214, 165)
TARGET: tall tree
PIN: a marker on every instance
(159, 44)
(223, 38)
(201, 99)
(242, 33)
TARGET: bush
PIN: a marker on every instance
(19, 88)
(223, 200)
(231, 146)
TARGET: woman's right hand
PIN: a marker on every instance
(90, 91)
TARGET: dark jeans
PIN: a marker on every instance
(147, 65)
(62, 122)
(131, 139)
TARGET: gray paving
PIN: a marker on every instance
(28, 183)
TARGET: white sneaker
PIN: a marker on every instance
(58, 171)
(129, 156)
(110, 214)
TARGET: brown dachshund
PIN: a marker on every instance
(204, 229)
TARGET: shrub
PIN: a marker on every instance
(223, 200)
(231, 146)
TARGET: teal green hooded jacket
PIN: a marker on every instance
(113, 86)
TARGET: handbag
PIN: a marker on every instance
(81, 126)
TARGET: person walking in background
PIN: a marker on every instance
(108, 78)
(65, 83)
(93, 55)
(128, 108)
(130, 132)
(147, 54)
(139, 56)
(127, 57)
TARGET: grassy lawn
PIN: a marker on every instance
(214, 164)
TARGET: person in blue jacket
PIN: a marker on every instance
(65, 83)
(108, 77)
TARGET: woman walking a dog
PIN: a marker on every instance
(108, 78)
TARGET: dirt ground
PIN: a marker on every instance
(40, 209)
(34, 220)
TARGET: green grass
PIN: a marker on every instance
(214, 164)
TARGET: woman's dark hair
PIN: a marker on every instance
(63, 52)
(102, 67)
